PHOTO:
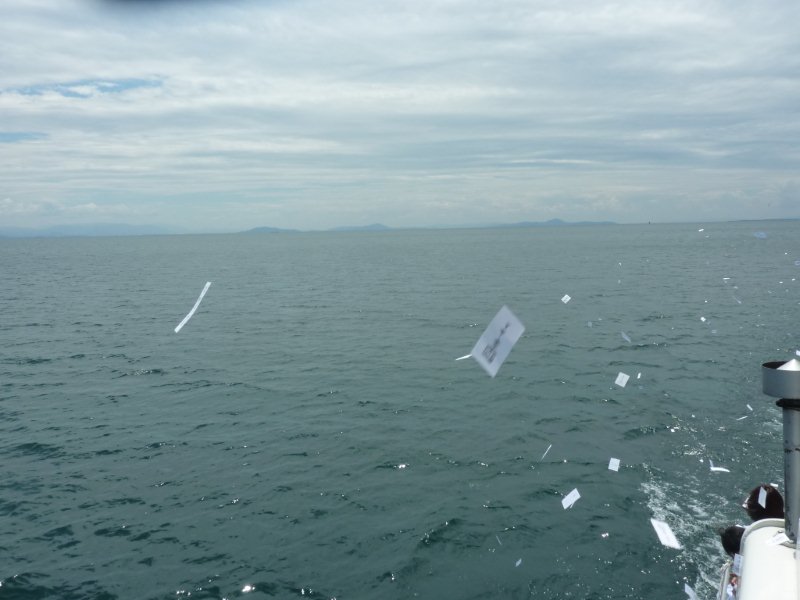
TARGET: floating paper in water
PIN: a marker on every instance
(604, 535)
(742, 418)
(762, 497)
(790, 365)
(750, 408)
(518, 563)
(736, 569)
(760, 235)
(498, 540)
(665, 535)
(689, 592)
(566, 298)
(703, 319)
(625, 337)
(570, 499)
(496, 342)
(589, 323)
(194, 308)
(717, 469)
(465, 356)
(700, 230)
(797, 352)
(545, 452)
(613, 464)
(622, 379)
(778, 538)
(638, 376)
(737, 300)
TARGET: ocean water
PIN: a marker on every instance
(308, 433)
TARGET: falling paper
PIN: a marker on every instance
(496, 342)
(665, 535)
(625, 337)
(689, 592)
(749, 407)
(613, 464)
(622, 379)
(566, 298)
(518, 563)
(545, 452)
(498, 540)
(762, 497)
(700, 230)
(742, 418)
(638, 376)
(717, 469)
(570, 499)
(465, 356)
(194, 308)
(703, 319)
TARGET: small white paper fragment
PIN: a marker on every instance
(638, 376)
(464, 357)
(689, 591)
(613, 464)
(742, 418)
(797, 352)
(604, 535)
(778, 538)
(665, 535)
(717, 469)
(737, 564)
(496, 343)
(625, 337)
(762, 497)
(566, 298)
(750, 408)
(194, 308)
(703, 319)
(518, 563)
(760, 235)
(622, 379)
(700, 230)
(589, 323)
(498, 540)
(570, 499)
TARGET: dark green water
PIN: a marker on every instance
(308, 433)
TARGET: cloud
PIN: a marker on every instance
(609, 108)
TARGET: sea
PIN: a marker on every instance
(308, 433)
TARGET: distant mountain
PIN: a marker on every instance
(269, 230)
(97, 229)
(373, 227)
(553, 223)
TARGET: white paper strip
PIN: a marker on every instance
(689, 592)
(625, 337)
(613, 464)
(762, 497)
(665, 535)
(545, 452)
(496, 343)
(464, 357)
(749, 407)
(566, 298)
(622, 379)
(570, 499)
(742, 418)
(717, 469)
(194, 308)
(518, 563)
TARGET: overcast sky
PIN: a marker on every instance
(310, 114)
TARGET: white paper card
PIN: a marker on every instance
(570, 499)
(566, 298)
(665, 535)
(495, 344)
(737, 564)
(778, 538)
(762, 497)
(717, 469)
(622, 379)
(613, 464)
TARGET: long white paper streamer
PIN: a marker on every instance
(194, 308)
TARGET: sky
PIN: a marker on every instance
(311, 114)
